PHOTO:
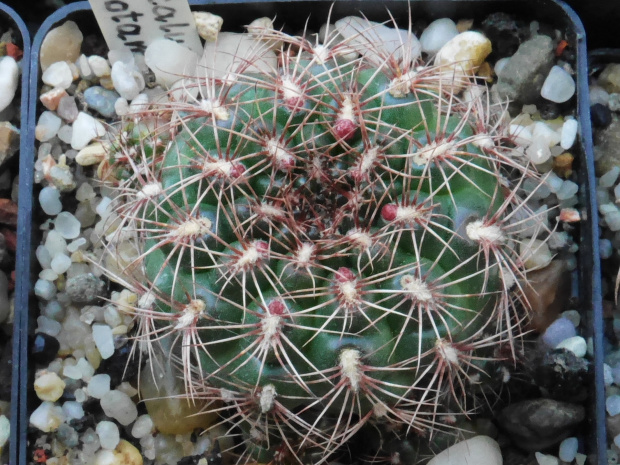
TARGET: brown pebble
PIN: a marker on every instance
(8, 212)
(563, 165)
(547, 291)
(62, 43)
(10, 238)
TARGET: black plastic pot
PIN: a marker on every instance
(237, 13)
(9, 18)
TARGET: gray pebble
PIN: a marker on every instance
(84, 288)
(102, 100)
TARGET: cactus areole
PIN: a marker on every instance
(325, 242)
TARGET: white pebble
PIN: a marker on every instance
(569, 133)
(67, 225)
(478, 450)
(568, 449)
(47, 417)
(608, 375)
(85, 129)
(538, 151)
(437, 34)
(9, 80)
(65, 133)
(47, 126)
(60, 263)
(48, 326)
(559, 86)
(142, 426)
(72, 372)
(99, 385)
(5, 430)
(43, 256)
(554, 182)
(613, 221)
(118, 405)
(544, 459)
(609, 179)
(99, 65)
(569, 189)
(542, 131)
(49, 199)
(575, 344)
(598, 95)
(170, 61)
(45, 289)
(612, 404)
(73, 410)
(108, 433)
(127, 81)
(58, 74)
(104, 340)
(55, 243)
(121, 106)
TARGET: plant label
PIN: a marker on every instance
(134, 24)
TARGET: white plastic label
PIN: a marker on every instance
(134, 24)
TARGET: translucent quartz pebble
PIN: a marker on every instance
(67, 225)
(569, 133)
(568, 449)
(560, 329)
(109, 435)
(118, 405)
(437, 34)
(104, 340)
(559, 86)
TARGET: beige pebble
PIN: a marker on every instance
(91, 154)
(535, 254)
(62, 43)
(208, 25)
(461, 56)
(49, 386)
(124, 454)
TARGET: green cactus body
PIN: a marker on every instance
(314, 233)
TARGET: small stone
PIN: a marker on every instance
(99, 385)
(437, 34)
(51, 98)
(118, 405)
(84, 288)
(92, 154)
(99, 66)
(544, 459)
(9, 141)
(9, 80)
(575, 344)
(463, 54)
(124, 454)
(67, 225)
(537, 424)
(169, 61)
(58, 75)
(62, 43)
(376, 41)
(45, 289)
(85, 129)
(44, 348)
(609, 78)
(47, 126)
(108, 433)
(73, 410)
(559, 86)
(535, 254)
(231, 53)
(68, 436)
(5, 430)
(127, 81)
(569, 189)
(481, 450)
(522, 77)
(47, 417)
(600, 115)
(142, 426)
(568, 449)
(49, 386)
(101, 100)
(104, 340)
(65, 133)
(558, 331)
(208, 25)
(569, 133)
(612, 404)
(67, 109)
(49, 199)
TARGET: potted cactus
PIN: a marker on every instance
(322, 241)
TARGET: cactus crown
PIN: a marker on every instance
(330, 242)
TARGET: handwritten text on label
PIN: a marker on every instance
(134, 24)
